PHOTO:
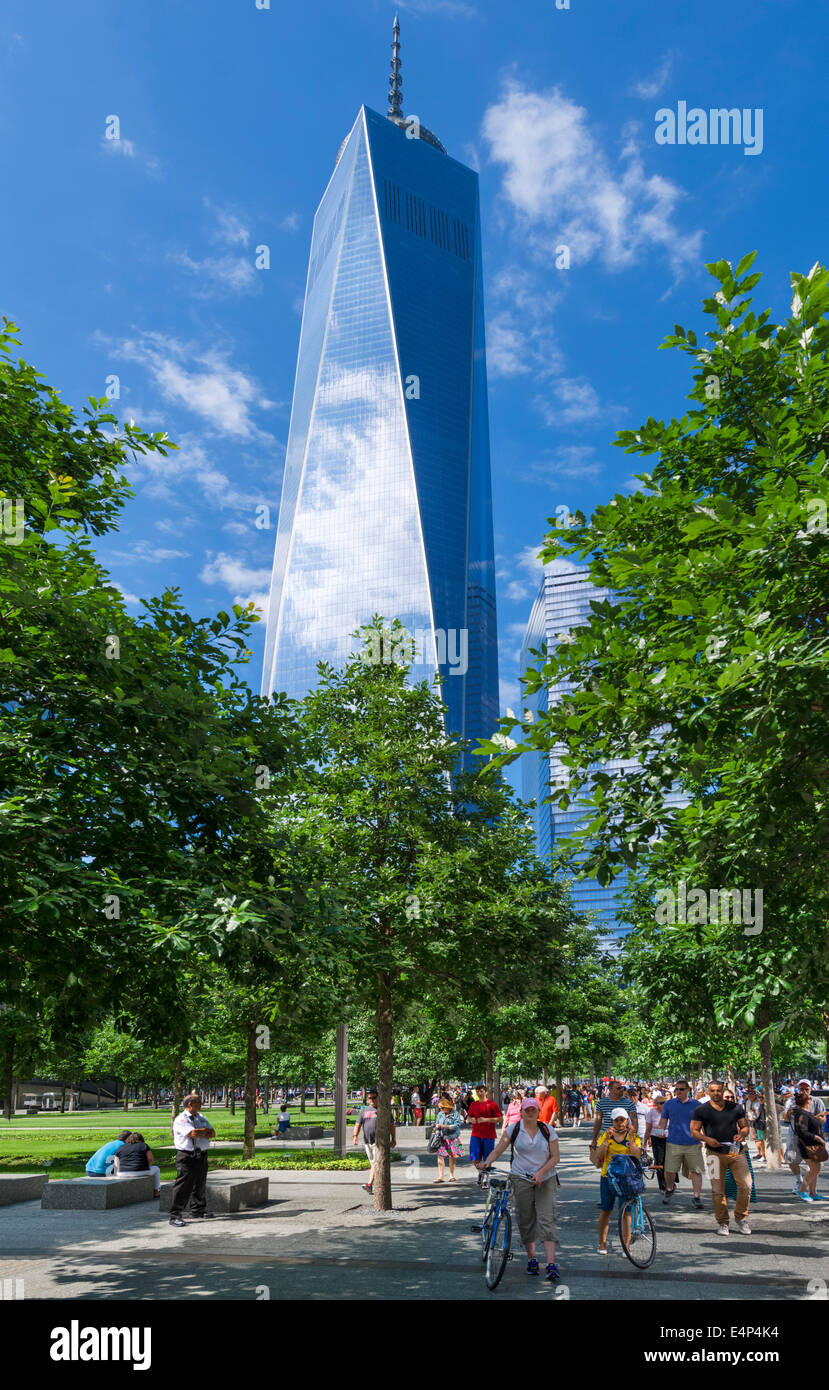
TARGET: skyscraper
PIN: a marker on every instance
(386, 500)
(563, 602)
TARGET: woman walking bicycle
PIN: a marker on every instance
(534, 1152)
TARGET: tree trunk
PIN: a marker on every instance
(233, 1099)
(97, 1097)
(155, 1095)
(826, 1031)
(489, 1052)
(63, 1098)
(8, 1081)
(251, 1073)
(126, 1095)
(730, 1079)
(545, 1075)
(302, 1084)
(772, 1124)
(316, 1094)
(385, 1074)
(559, 1090)
(227, 1095)
(71, 1094)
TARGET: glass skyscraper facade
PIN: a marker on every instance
(386, 499)
(563, 602)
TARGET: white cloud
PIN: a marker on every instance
(570, 462)
(219, 274)
(291, 222)
(650, 87)
(203, 382)
(519, 334)
(150, 554)
(572, 403)
(229, 228)
(131, 600)
(248, 585)
(564, 188)
(127, 149)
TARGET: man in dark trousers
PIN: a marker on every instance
(191, 1136)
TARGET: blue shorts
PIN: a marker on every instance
(480, 1149)
(607, 1194)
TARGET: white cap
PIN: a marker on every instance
(618, 1114)
(657, 1095)
(804, 1082)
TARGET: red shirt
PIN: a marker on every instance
(478, 1111)
(547, 1110)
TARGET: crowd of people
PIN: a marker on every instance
(675, 1128)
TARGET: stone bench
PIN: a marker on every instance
(21, 1187)
(302, 1132)
(97, 1194)
(226, 1192)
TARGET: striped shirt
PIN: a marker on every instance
(605, 1107)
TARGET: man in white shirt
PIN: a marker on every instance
(191, 1136)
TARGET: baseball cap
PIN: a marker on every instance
(618, 1113)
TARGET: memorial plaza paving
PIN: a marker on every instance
(318, 1238)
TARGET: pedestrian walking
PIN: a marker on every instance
(483, 1115)
(721, 1126)
(367, 1122)
(682, 1147)
(448, 1122)
(656, 1134)
(534, 1151)
(620, 1138)
(801, 1099)
(191, 1135)
(807, 1127)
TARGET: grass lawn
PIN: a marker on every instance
(62, 1144)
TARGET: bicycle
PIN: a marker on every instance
(637, 1233)
(496, 1228)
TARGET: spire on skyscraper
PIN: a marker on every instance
(396, 80)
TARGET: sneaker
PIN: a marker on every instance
(666, 1197)
(818, 1197)
(602, 1250)
(552, 1276)
(744, 1228)
(796, 1188)
(532, 1266)
(806, 1197)
(759, 1162)
(698, 1203)
(368, 1187)
(176, 1221)
(722, 1230)
(201, 1215)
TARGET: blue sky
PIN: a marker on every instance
(135, 258)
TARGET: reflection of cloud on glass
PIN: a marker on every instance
(357, 505)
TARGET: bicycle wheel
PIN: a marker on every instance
(639, 1244)
(498, 1254)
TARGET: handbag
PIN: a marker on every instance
(435, 1140)
(817, 1152)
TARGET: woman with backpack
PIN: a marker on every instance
(534, 1155)
(621, 1138)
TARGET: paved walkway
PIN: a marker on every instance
(318, 1238)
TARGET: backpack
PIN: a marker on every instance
(625, 1174)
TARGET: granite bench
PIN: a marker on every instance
(21, 1187)
(226, 1192)
(97, 1194)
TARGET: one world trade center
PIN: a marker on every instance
(386, 498)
